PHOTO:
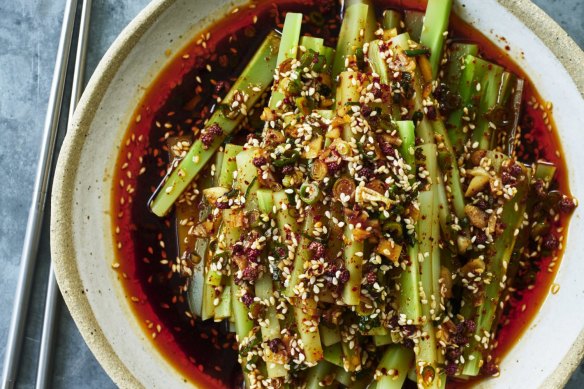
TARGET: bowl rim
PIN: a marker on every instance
(68, 278)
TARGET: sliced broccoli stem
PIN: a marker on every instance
(396, 362)
(414, 21)
(515, 106)
(344, 377)
(392, 19)
(434, 29)
(504, 122)
(409, 297)
(357, 28)
(348, 92)
(334, 354)
(407, 134)
(424, 128)
(457, 52)
(427, 358)
(188, 246)
(253, 82)
(223, 309)
(496, 265)
(288, 49)
(317, 374)
(376, 62)
(451, 170)
(382, 340)
(229, 166)
(329, 335)
(427, 355)
(303, 255)
(264, 290)
(290, 37)
(218, 164)
(460, 120)
(351, 354)
(457, 80)
(427, 130)
(491, 84)
(353, 255)
(247, 174)
(306, 315)
(317, 45)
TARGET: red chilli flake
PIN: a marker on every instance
(566, 205)
(317, 248)
(210, 133)
(259, 161)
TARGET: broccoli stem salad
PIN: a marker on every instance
(369, 234)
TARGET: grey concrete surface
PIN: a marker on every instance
(29, 31)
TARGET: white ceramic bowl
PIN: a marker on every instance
(82, 246)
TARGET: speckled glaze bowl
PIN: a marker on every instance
(81, 242)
